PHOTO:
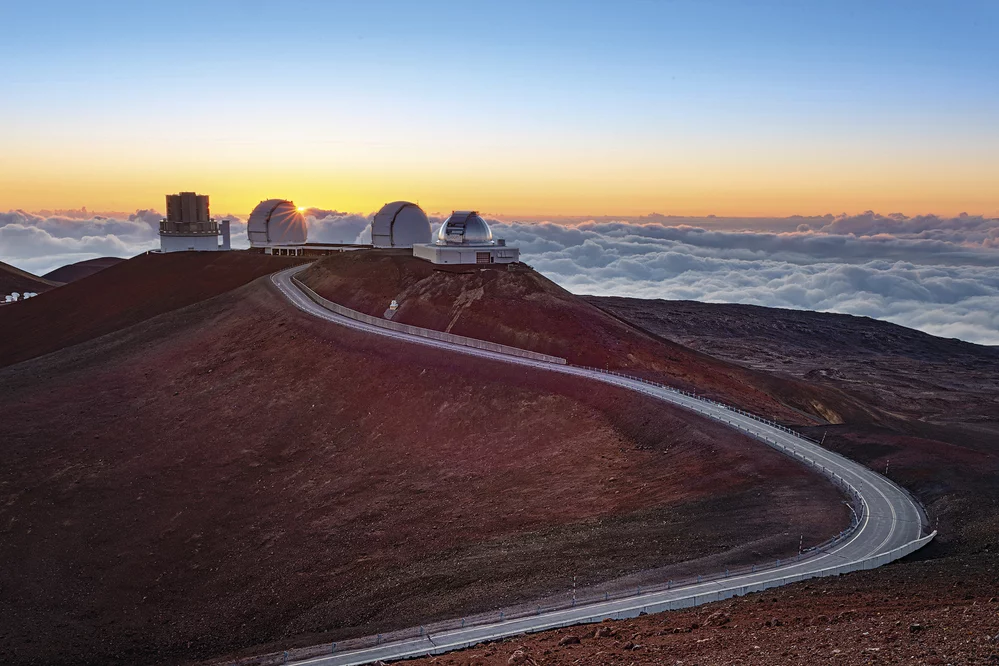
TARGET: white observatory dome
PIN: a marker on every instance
(276, 222)
(464, 227)
(400, 224)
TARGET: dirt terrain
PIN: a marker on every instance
(14, 279)
(904, 373)
(125, 294)
(939, 612)
(519, 307)
(234, 477)
(81, 269)
(934, 417)
(933, 428)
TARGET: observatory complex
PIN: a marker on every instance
(279, 227)
(189, 226)
(465, 238)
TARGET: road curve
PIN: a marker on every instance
(890, 525)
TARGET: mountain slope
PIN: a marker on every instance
(81, 269)
(236, 474)
(522, 308)
(124, 294)
(900, 371)
(14, 279)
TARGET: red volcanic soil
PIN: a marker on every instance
(14, 279)
(933, 420)
(899, 371)
(236, 475)
(940, 612)
(932, 426)
(81, 269)
(122, 295)
(517, 306)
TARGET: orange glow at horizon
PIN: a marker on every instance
(586, 181)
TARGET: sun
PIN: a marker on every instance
(302, 208)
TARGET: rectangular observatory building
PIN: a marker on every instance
(189, 226)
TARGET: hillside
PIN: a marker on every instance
(124, 294)
(938, 612)
(899, 370)
(14, 279)
(81, 269)
(938, 433)
(522, 308)
(235, 475)
(938, 436)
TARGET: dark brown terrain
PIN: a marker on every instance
(125, 294)
(14, 279)
(905, 374)
(934, 402)
(81, 269)
(932, 426)
(522, 308)
(192, 471)
(932, 612)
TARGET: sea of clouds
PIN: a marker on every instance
(935, 274)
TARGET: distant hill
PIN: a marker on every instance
(14, 279)
(900, 371)
(125, 294)
(81, 269)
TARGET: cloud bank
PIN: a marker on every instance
(939, 275)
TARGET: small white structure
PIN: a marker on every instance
(400, 224)
(188, 225)
(465, 238)
(276, 222)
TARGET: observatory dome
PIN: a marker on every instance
(464, 227)
(276, 222)
(400, 224)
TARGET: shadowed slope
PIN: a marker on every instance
(14, 279)
(122, 295)
(236, 473)
(81, 269)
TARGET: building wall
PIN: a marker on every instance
(467, 254)
(187, 207)
(178, 243)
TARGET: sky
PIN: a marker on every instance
(514, 108)
(837, 156)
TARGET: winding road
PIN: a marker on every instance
(889, 526)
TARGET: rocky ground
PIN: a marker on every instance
(944, 611)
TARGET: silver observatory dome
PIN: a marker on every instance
(464, 227)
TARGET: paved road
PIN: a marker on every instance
(890, 520)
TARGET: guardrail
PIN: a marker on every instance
(498, 618)
(722, 592)
(423, 332)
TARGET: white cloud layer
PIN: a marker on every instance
(939, 275)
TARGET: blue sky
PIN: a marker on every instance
(774, 98)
